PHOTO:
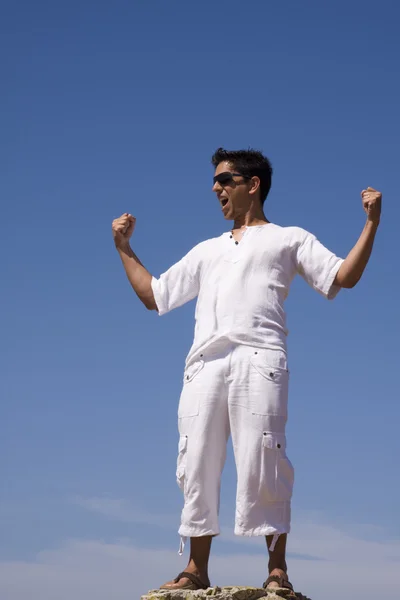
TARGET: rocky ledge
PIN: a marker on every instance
(224, 593)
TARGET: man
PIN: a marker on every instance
(236, 376)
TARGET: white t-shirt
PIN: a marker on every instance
(241, 288)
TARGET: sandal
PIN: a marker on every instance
(281, 581)
(195, 583)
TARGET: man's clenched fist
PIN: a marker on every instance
(372, 200)
(122, 229)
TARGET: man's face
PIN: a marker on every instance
(232, 191)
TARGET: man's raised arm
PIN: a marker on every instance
(139, 277)
(353, 267)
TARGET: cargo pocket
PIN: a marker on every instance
(193, 370)
(190, 397)
(181, 462)
(268, 387)
(278, 470)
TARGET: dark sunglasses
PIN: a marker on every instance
(227, 177)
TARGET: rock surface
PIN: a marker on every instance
(224, 593)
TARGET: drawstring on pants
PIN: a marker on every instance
(274, 540)
(182, 544)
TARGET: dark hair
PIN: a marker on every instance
(250, 163)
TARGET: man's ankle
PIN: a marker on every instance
(277, 567)
(196, 569)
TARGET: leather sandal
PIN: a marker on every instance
(281, 581)
(195, 582)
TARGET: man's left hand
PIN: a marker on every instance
(372, 201)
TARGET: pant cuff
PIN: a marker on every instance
(263, 530)
(188, 532)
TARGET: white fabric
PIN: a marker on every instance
(241, 288)
(239, 391)
(236, 378)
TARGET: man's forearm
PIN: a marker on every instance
(354, 265)
(138, 275)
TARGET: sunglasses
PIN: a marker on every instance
(227, 177)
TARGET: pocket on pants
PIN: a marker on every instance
(181, 462)
(189, 402)
(192, 371)
(268, 385)
(277, 468)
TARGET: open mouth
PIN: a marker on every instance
(224, 202)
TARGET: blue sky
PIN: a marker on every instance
(109, 107)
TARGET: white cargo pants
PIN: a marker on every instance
(242, 391)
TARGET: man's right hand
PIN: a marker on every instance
(122, 229)
(139, 277)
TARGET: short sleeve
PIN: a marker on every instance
(317, 265)
(179, 284)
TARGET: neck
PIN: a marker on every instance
(254, 216)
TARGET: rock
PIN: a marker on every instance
(225, 593)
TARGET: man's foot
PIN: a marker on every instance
(279, 580)
(188, 580)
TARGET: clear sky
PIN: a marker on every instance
(107, 107)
